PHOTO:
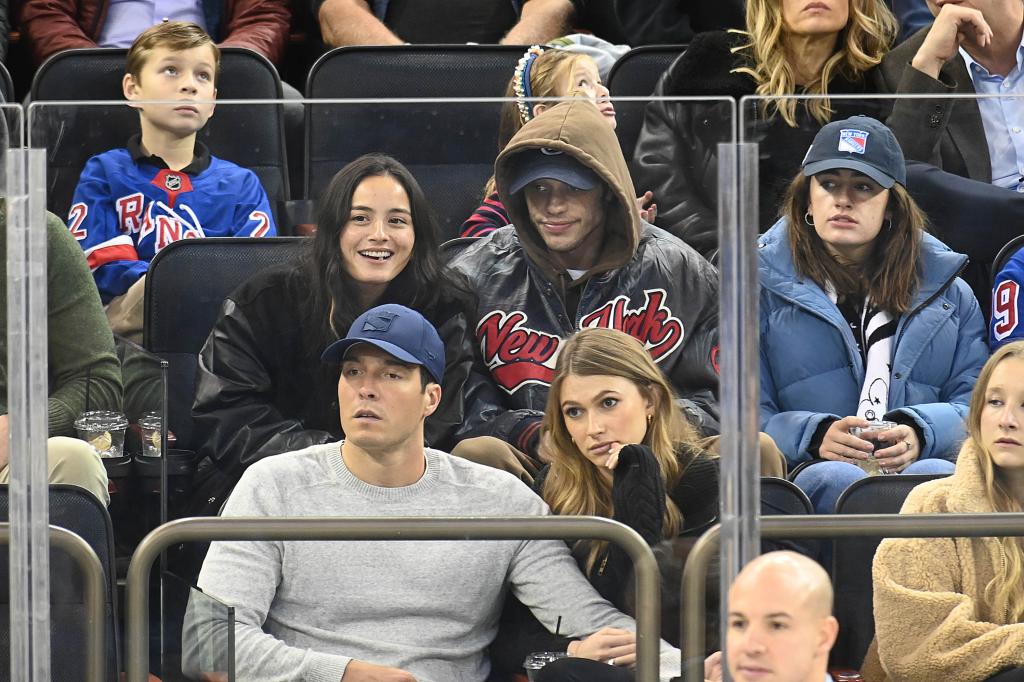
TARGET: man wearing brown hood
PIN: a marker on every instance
(578, 255)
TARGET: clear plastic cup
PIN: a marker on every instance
(870, 433)
(149, 427)
(538, 659)
(104, 431)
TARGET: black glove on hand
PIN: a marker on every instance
(638, 492)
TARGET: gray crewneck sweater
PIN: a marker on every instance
(304, 609)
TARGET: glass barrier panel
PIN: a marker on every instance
(660, 154)
(198, 634)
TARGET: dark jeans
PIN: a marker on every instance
(1011, 675)
(583, 670)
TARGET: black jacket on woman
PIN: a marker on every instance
(638, 494)
(261, 388)
(677, 151)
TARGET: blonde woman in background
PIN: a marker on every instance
(953, 608)
(789, 47)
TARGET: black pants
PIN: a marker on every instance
(583, 670)
(1011, 675)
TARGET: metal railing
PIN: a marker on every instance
(648, 592)
(95, 593)
(831, 526)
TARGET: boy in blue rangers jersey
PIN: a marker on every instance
(164, 186)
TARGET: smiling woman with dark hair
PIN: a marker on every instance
(261, 388)
(863, 318)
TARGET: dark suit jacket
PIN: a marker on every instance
(946, 133)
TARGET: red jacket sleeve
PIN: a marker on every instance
(52, 26)
(260, 25)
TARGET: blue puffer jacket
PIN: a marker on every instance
(811, 369)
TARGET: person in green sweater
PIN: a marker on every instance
(82, 360)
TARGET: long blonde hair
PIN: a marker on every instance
(869, 33)
(574, 486)
(1006, 589)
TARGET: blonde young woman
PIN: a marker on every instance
(953, 608)
(543, 74)
(789, 47)
(621, 449)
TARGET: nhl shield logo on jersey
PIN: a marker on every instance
(853, 141)
(172, 182)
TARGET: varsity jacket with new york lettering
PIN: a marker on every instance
(128, 206)
(644, 282)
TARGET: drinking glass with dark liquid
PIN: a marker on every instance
(871, 434)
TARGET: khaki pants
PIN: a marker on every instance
(73, 462)
(498, 454)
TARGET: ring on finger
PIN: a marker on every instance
(611, 661)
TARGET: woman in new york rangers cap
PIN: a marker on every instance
(865, 324)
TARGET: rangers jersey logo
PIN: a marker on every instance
(518, 355)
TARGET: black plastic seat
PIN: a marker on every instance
(252, 137)
(781, 497)
(634, 75)
(450, 147)
(186, 285)
(852, 557)
(77, 510)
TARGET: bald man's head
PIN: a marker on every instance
(780, 620)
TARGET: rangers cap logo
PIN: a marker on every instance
(379, 322)
(851, 140)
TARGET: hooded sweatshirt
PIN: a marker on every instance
(933, 620)
(643, 281)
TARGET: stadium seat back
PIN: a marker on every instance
(77, 510)
(852, 557)
(781, 497)
(1011, 247)
(635, 74)
(450, 148)
(186, 285)
(252, 137)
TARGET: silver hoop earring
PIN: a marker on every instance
(888, 226)
(809, 219)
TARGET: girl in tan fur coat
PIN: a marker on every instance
(953, 608)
